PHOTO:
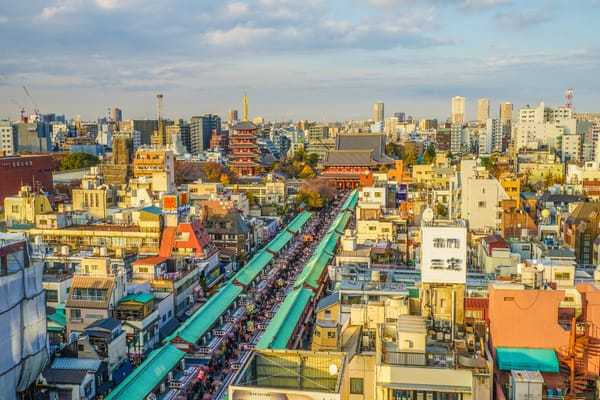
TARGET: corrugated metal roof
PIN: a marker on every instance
(139, 298)
(88, 364)
(86, 282)
(529, 359)
(152, 210)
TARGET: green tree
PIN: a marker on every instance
(441, 210)
(429, 155)
(312, 159)
(78, 160)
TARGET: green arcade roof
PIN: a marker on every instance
(520, 358)
(299, 221)
(256, 264)
(139, 383)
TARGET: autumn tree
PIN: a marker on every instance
(307, 172)
(316, 193)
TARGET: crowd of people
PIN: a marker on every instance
(215, 376)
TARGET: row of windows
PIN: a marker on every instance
(440, 243)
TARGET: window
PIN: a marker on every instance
(481, 204)
(330, 335)
(377, 194)
(52, 296)
(453, 243)
(356, 386)
(439, 243)
(327, 313)
(562, 275)
(317, 333)
(509, 299)
(372, 228)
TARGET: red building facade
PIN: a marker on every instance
(15, 171)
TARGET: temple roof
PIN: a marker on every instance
(244, 126)
(372, 141)
(349, 157)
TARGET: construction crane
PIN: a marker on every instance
(21, 110)
(36, 110)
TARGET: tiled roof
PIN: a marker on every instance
(477, 303)
(65, 376)
(373, 141)
(349, 157)
(494, 239)
(244, 126)
(106, 323)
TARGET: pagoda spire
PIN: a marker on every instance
(245, 107)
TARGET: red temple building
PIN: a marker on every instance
(244, 155)
(353, 156)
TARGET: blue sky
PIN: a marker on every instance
(309, 59)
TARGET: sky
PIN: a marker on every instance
(309, 59)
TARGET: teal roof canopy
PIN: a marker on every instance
(280, 241)
(299, 221)
(520, 358)
(139, 383)
(253, 267)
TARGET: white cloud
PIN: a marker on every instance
(108, 4)
(237, 36)
(61, 7)
(3, 19)
(236, 9)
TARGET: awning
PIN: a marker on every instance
(520, 358)
(429, 388)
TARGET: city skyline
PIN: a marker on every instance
(319, 60)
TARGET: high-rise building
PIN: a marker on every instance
(458, 110)
(483, 110)
(7, 144)
(233, 116)
(201, 128)
(506, 113)
(378, 111)
(401, 116)
(117, 117)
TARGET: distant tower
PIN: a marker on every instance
(245, 107)
(458, 110)
(506, 113)
(233, 116)
(569, 98)
(117, 117)
(483, 110)
(159, 138)
(378, 111)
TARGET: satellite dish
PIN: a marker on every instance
(545, 213)
(427, 215)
